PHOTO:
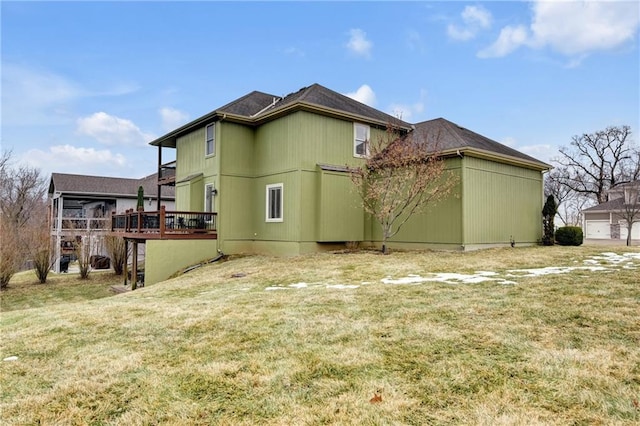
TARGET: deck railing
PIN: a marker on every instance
(164, 222)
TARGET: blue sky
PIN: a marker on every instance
(86, 85)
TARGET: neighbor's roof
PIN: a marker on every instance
(616, 204)
(450, 138)
(107, 186)
(256, 108)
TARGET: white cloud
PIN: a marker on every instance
(61, 158)
(542, 152)
(111, 130)
(580, 27)
(409, 111)
(510, 39)
(359, 44)
(364, 94)
(33, 96)
(571, 28)
(406, 112)
(475, 18)
(477, 15)
(172, 118)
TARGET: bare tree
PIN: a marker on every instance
(22, 188)
(9, 254)
(596, 162)
(402, 176)
(36, 241)
(629, 211)
(569, 203)
(22, 191)
(116, 249)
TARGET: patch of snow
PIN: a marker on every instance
(299, 285)
(552, 270)
(276, 288)
(342, 286)
(612, 261)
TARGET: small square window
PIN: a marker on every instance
(210, 140)
(361, 134)
(274, 203)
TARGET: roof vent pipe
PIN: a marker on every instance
(271, 105)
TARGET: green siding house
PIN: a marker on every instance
(274, 169)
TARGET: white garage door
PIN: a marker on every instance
(598, 229)
(635, 231)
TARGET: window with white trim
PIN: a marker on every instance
(361, 134)
(275, 202)
(210, 139)
(208, 197)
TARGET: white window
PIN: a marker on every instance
(210, 140)
(361, 134)
(274, 203)
(208, 197)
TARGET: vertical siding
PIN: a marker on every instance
(289, 228)
(341, 216)
(191, 160)
(441, 223)
(501, 201)
(236, 147)
(326, 140)
(275, 150)
(309, 205)
(183, 196)
(190, 154)
(238, 212)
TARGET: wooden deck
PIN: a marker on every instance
(164, 225)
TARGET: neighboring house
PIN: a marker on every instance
(81, 206)
(274, 169)
(609, 220)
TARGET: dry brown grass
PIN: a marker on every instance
(215, 347)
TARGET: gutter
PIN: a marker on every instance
(490, 155)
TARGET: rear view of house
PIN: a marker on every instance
(274, 169)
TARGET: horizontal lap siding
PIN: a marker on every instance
(501, 202)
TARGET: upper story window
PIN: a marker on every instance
(274, 203)
(361, 134)
(210, 140)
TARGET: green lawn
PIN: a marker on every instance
(310, 339)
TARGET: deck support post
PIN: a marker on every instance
(126, 260)
(134, 267)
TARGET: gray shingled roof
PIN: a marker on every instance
(107, 186)
(256, 107)
(616, 204)
(320, 96)
(249, 105)
(451, 137)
